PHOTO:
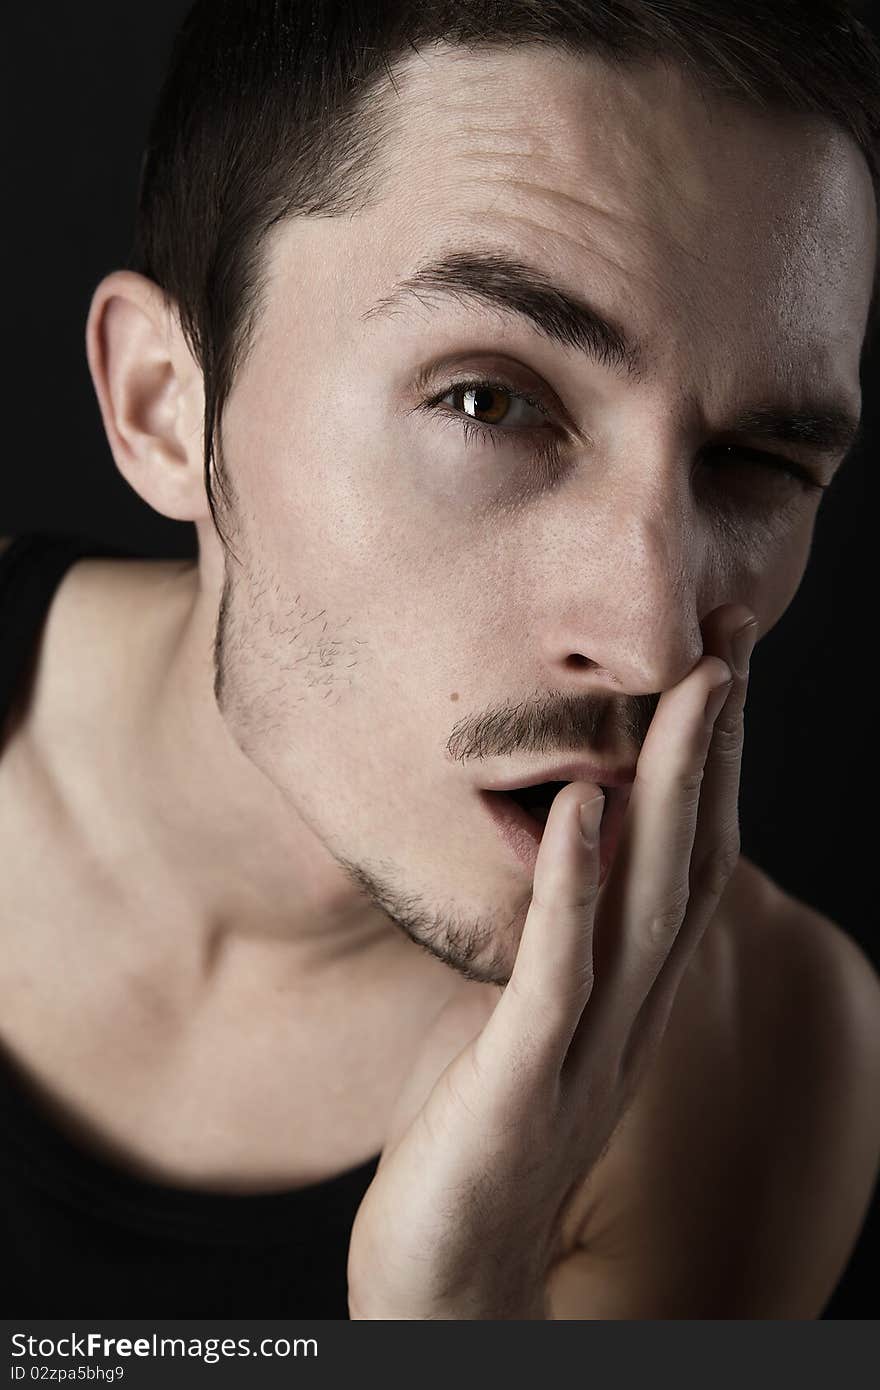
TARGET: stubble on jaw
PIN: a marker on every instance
(476, 948)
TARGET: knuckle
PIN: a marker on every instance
(579, 986)
(666, 921)
(688, 776)
(581, 902)
(584, 900)
(687, 782)
(728, 734)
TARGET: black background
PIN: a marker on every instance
(80, 86)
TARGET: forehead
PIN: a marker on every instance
(697, 220)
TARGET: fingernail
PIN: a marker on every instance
(590, 813)
(716, 700)
(741, 644)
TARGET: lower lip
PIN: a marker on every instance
(522, 833)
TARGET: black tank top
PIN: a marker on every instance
(81, 1237)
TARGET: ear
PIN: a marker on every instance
(150, 392)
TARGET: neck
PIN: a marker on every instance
(185, 828)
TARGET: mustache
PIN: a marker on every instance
(556, 723)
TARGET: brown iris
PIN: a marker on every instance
(488, 401)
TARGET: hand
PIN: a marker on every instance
(462, 1217)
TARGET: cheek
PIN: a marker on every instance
(761, 561)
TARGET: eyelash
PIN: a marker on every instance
(548, 455)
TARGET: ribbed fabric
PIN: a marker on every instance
(81, 1237)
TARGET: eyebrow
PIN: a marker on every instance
(826, 429)
(499, 281)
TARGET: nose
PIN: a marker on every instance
(628, 617)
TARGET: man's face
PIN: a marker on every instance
(420, 613)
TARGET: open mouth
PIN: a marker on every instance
(521, 814)
(536, 801)
(526, 808)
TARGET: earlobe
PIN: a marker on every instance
(149, 392)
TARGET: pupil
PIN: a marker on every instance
(481, 401)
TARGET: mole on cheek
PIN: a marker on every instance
(454, 695)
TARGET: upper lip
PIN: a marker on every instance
(575, 770)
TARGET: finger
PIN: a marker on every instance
(645, 896)
(717, 838)
(552, 976)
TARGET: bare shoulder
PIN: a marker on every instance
(800, 967)
(807, 988)
(738, 1182)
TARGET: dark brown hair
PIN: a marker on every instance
(273, 109)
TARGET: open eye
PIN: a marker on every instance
(493, 412)
(493, 404)
(527, 424)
